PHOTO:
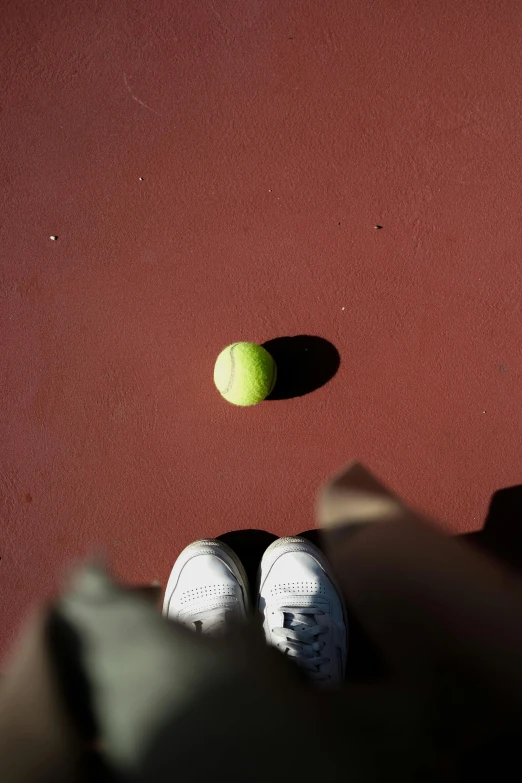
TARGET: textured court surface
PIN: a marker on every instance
(214, 172)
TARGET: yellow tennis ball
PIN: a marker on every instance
(245, 373)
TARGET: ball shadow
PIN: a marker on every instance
(304, 363)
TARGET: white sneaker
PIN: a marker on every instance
(303, 611)
(207, 588)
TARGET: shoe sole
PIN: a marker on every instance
(186, 555)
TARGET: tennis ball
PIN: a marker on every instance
(245, 373)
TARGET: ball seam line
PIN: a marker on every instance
(232, 369)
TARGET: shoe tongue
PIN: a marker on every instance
(210, 620)
(295, 620)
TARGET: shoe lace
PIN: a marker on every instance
(300, 639)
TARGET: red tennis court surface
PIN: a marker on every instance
(215, 171)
